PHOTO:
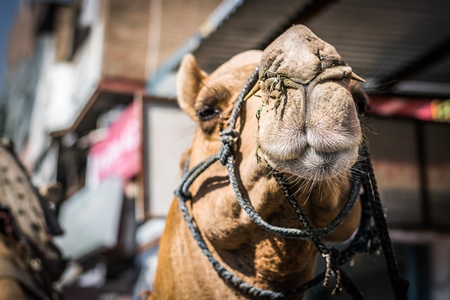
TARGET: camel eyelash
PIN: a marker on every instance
(207, 113)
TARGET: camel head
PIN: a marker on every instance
(304, 122)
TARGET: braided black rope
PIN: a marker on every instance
(399, 284)
(364, 240)
(331, 255)
(189, 177)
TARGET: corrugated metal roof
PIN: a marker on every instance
(383, 40)
(247, 28)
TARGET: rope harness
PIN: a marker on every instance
(367, 239)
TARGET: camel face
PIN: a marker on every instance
(308, 122)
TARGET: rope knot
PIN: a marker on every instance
(332, 267)
(227, 137)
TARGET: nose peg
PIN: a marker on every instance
(357, 77)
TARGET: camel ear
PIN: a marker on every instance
(190, 79)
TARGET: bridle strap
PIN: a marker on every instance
(399, 284)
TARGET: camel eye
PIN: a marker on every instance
(207, 113)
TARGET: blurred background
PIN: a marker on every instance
(88, 98)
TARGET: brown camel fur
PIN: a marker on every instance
(308, 129)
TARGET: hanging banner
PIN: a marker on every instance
(119, 153)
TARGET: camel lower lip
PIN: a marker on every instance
(312, 164)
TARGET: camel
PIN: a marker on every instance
(299, 122)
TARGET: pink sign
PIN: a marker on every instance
(120, 152)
